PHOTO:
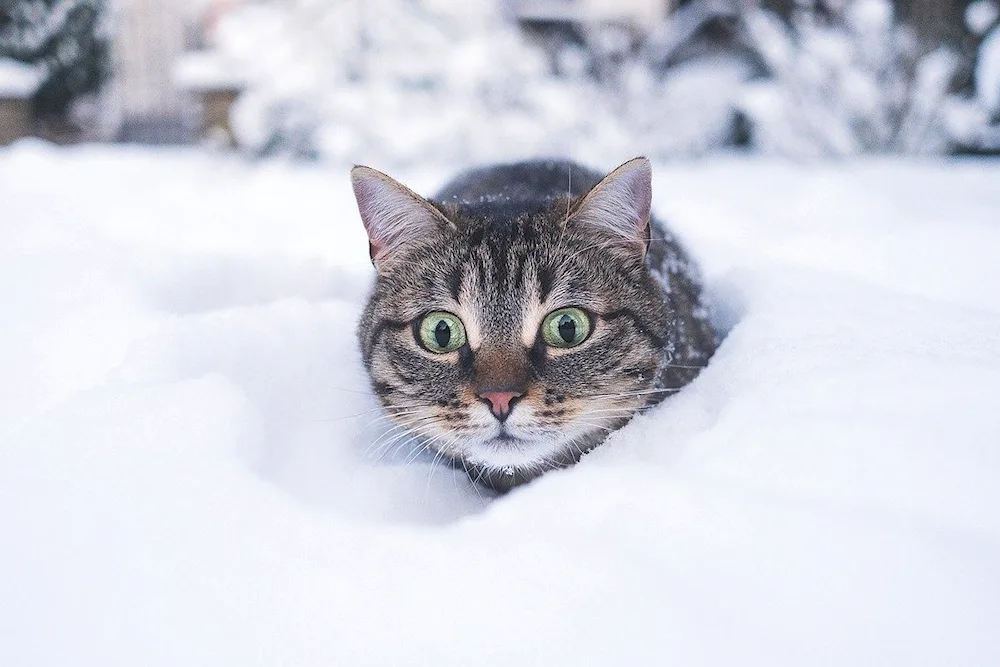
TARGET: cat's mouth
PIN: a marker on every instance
(505, 436)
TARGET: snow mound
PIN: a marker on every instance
(187, 466)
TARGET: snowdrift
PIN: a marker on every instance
(186, 474)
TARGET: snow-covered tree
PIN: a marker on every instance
(987, 74)
(975, 121)
(846, 78)
(67, 39)
(411, 81)
(696, 65)
(401, 81)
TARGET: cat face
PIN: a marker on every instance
(512, 345)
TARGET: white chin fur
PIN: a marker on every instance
(527, 452)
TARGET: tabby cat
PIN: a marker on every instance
(525, 312)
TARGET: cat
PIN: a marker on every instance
(525, 312)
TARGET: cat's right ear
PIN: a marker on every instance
(393, 214)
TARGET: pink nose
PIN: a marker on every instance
(501, 402)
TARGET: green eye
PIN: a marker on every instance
(566, 327)
(442, 332)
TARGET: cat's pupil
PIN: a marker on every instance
(442, 333)
(567, 328)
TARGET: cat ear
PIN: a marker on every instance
(393, 214)
(620, 203)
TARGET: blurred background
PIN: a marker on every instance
(406, 82)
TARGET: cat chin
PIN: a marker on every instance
(499, 454)
(496, 453)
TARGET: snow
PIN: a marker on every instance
(872, 16)
(18, 80)
(398, 81)
(184, 423)
(849, 84)
(981, 15)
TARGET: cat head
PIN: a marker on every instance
(512, 342)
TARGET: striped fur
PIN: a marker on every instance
(501, 247)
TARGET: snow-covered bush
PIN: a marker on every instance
(396, 82)
(695, 65)
(68, 41)
(690, 109)
(988, 73)
(846, 78)
(975, 122)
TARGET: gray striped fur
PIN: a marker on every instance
(501, 247)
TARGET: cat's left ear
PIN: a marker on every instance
(393, 214)
(620, 203)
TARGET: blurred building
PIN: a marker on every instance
(143, 103)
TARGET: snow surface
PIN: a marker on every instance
(184, 424)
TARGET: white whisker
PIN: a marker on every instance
(628, 394)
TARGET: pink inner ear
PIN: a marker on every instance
(391, 213)
(638, 181)
(366, 195)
